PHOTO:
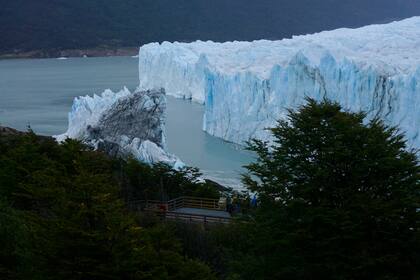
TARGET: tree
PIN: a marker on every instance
(339, 199)
(161, 182)
(16, 258)
(62, 217)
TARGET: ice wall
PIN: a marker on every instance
(247, 86)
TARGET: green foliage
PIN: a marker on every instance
(338, 200)
(161, 182)
(16, 249)
(62, 217)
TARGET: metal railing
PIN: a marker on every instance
(167, 209)
(195, 202)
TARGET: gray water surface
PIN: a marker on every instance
(40, 92)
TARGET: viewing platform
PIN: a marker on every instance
(188, 209)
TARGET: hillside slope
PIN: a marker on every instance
(51, 25)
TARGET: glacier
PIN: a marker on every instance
(247, 86)
(123, 124)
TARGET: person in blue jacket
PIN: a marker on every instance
(254, 201)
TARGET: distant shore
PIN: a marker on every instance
(94, 52)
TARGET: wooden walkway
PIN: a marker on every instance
(187, 209)
(203, 212)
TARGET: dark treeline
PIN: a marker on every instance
(27, 25)
(338, 198)
(63, 214)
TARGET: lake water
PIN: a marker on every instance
(40, 92)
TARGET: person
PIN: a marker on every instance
(254, 201)
(229, 205)
(238, 207)
(162, 207)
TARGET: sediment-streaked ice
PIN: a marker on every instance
(123, 124)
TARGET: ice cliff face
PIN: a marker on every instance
(247, 86)
(122, 124)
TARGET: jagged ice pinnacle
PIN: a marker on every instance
(123, 124)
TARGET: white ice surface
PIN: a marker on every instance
(247, 86)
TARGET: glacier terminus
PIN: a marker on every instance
(247, 86)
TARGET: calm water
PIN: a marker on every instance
(40, 93)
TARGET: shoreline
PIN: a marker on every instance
(71, 53)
